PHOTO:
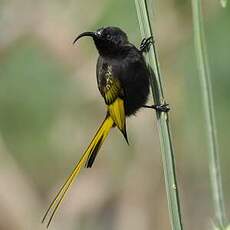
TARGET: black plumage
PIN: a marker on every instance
(123, 81)
(124, 62)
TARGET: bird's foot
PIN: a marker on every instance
(159, 108)
(145, 44)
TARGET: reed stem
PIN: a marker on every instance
(162, 119)
(205, 81)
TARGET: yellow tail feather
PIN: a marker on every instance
(93, 148)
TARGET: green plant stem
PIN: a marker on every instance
(162, 120)
(213, 150)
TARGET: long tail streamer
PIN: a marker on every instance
(92, 149)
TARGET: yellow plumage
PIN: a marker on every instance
(117, 112)
(100, 136)
(115, 115)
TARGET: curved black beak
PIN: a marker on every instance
(90, 34)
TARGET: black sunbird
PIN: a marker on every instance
(123, 81)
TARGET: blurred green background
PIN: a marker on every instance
(50, 108)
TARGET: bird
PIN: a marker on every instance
(123, 79)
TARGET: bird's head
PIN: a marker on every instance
(108, 40)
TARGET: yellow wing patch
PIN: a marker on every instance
(112, 90)
(117, 112)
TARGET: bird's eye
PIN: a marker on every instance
(99, 33)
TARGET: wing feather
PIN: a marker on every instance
(113, 93)
(117, 112)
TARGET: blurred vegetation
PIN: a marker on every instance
(50, 108)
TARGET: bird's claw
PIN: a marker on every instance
(145, 44)
(159, 108)
(162, 107)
